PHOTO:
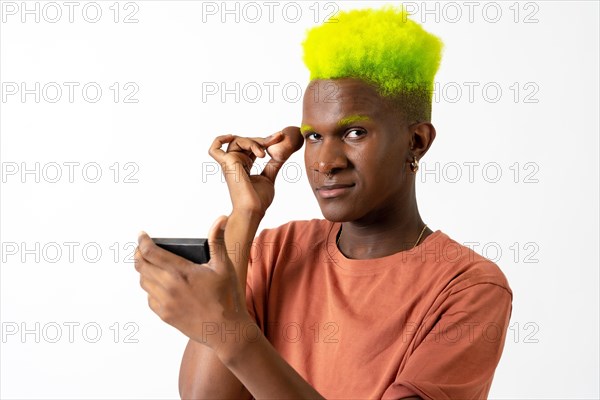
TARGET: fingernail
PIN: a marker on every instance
(141, 233)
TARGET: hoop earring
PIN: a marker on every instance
(414, 164)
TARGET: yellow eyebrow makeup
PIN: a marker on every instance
(352, 119)
(305, 128)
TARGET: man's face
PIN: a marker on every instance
(356, 150)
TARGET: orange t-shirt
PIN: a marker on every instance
(430, 321)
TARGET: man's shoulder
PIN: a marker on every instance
(469, 268)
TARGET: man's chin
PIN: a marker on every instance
(335, 215)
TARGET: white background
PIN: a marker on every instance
(538, 220)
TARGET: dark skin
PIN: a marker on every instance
(370, 159)
(374, 198)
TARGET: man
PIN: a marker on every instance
(368, 303)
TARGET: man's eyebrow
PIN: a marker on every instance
(305, 128)
(352, 119)
(342, 122)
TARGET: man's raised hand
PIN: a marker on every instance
(254, 193)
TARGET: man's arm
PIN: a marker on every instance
(202, 374)
(193, 297)
(265, 373)
(457, 356)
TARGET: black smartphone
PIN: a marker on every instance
(195, 250)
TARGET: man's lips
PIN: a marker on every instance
(334, 190)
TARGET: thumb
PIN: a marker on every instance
(272, 139)
(216, 243)
(280, 152)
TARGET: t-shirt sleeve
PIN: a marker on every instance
(458, 356)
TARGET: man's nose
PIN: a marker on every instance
(331, 157)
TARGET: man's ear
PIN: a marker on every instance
(422, 135)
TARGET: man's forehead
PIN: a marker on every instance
(341, 102)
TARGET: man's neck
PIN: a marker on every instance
(396, 230)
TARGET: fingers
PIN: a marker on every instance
(215, 150)
(246, 151)
(153, 281)
(151, 273)
(254, 145)
(297, 140)
(240, 151)
(151, 286)
(157, 256)
(271, 140)
(280, 146)
(247, 146)
(154, 305)
(280, 152)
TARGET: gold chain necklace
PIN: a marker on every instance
(337, 242)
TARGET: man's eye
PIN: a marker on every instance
(313, 136)
(355, 133)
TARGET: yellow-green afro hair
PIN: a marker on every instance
(382, 47)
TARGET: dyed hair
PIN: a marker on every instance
(382, 47)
